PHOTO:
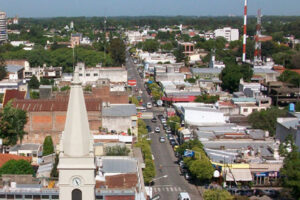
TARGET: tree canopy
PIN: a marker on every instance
(232, 74)
(48, 147)
(3, 71)
(290, 172)
(205, 98)
(12, 122)
(266, 119)
(117, 51)
(16, 167)
(217, 194)
(34, 83)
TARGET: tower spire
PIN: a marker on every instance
(77, 137)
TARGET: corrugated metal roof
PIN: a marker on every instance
(206, 70)
(119, 110)
(13, 68)
(44, 105)
(119, 165)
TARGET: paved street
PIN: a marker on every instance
(169, 187)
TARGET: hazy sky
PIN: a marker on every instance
(52, 8)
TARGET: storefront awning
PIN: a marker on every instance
(238, 175)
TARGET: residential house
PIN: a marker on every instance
(120, 118)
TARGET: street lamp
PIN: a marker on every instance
(147, 135)
(155, 179)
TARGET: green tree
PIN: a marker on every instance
(266, 119)
(3, 71)
(34, 83)
(217, 195)
(16, 167)
(174, 123)
(34, 95)
(232, 74)
(247, 72)
(205, 98)
(48, 147)
(150, 45)
(290, 77)
(12, 122)
(54, 171)
(230, 77)
(296, 60)
(65, 88)
(117, 51)
(290, 173)
(179, 54)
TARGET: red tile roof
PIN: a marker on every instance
(7, 157)
(281, 69)
(121, 181)
(13, 94)
(44, 105)
(184, 69)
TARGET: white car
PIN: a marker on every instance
(149, 105)
(157, 130)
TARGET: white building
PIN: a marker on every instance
(228, 33)
(199, 114)
(216, 64)
(3, 28)
(93, 74)
(155, 58)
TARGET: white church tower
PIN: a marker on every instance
(76, 159)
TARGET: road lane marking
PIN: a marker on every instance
(171, 189)
(158, 189)
(167, 189)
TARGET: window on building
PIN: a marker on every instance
(45, 197)
(245, 110)
(254, 110)
(80, 74)
(95, 74)
(87, 74)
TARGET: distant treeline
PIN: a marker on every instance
(271, 24)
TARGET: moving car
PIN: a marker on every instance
(162, 139)
(183, 196)
(154, 120)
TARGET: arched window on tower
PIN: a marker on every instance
(76, 194)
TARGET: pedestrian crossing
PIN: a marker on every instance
(168, 188)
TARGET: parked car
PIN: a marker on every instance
(162, 139)
(149, 128)
(165, 126)
(154, 120)
(187, 176)
(157, 130)
(168, 131)
(149, 105)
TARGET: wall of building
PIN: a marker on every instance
(42, 124)
(118, 124)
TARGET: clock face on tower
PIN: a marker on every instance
(76, 182)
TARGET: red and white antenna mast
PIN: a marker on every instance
(245, 32)
(257, 52)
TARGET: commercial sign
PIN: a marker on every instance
(188, 153)
(132, 82)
